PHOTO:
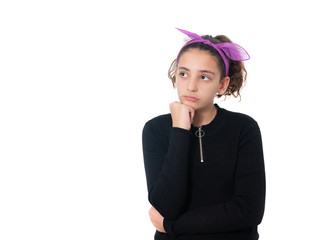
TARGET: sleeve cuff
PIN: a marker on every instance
(168, 226)
(178, 129)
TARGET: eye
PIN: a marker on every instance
(183, 74)
(205, 78)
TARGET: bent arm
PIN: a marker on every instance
(166, 169)
(245, 209)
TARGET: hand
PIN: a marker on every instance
(156, 219)
(182, 115)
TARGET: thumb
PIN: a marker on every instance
(191, 114)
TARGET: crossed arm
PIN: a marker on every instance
(168, 188)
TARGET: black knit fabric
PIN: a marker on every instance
(221, 198)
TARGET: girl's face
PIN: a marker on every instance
(198, 79)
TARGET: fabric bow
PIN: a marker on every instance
(232, 50)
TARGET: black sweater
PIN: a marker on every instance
(221, 198)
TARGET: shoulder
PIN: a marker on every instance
(244, 127)
(159, 125)
(156, 132)
(239, 120)
(161, 121)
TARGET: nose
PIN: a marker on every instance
(192, 85)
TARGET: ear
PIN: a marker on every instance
(224, 85)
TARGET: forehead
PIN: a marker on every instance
(196, 59)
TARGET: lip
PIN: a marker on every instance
(190, 98)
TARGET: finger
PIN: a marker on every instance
(192, 116)
(171, 106)
(191, 109)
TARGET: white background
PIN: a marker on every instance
(78, 80)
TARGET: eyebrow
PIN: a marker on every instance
(203, 71)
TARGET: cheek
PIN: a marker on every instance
(179, 85)
(210, 92)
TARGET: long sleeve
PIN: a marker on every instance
(166, 166)
(245, 209)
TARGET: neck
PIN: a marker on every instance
(204, 116)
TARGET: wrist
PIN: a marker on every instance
(181, 126)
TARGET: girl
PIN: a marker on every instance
(204, 164)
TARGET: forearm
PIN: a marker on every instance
(239, 213)
(168, 179)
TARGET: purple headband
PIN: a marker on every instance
(232, 50)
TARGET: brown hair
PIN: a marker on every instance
(237, 71)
